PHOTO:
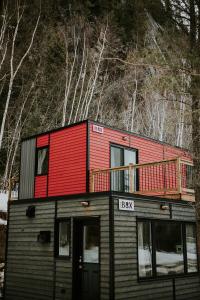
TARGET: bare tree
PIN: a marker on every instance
(15, 69)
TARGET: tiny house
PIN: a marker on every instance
(102, 214)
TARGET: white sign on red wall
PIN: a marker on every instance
(97, 128)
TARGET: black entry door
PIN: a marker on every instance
(86, 237)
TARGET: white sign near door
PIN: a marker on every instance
(127, 205)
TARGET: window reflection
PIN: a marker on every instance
(64, 235)
(169, 248)
(144, 249)
(91, 244)
(191, 248)
(42, 161)
(120, 179)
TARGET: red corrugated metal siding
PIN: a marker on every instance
(148, 151)
(41, 186)
(42, 140)
(67, 161)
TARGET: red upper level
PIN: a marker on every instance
(59, 162)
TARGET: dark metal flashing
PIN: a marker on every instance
(112, 246)
(151, 198)
(49, 140)
(108, 193)
(20, 161)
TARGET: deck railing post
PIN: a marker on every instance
(179, 176)
(92, 182)
(131, 178)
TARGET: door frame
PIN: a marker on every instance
(76, 221)
(112, 144)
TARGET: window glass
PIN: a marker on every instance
(144, 249)
(191, 248)
(91, 244)
(120, 179)
(42, 161)
(117, 176)
(64, 238)
(129, 158)
(189, 177)
(169, 248)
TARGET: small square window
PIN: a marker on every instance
(63, 241)
(42, 161)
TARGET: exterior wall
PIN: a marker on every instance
(67, 163)
(68, 158)
(32, 270)
(27, 169)
(34, 273)
(98, 207)
(30, 265)
(148, 150)
(41, 181)
(126, 283)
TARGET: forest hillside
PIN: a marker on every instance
(123, 63)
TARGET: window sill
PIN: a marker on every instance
(63, 257)
(38, 175)
(166, 277)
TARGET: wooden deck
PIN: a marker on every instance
(172, 178)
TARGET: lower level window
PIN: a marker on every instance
(169, 248)
(166, 248)
(63, 243)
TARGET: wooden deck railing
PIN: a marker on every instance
(163, 178)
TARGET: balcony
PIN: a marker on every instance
(172, 178)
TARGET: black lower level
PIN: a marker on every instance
(99, 258)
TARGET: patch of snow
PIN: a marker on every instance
(64, 250)
(1, 278)
(3, 222)
(3, 200)
(91, 255)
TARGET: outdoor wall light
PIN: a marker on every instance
(30, 212)
(85, 203)
(164, 206)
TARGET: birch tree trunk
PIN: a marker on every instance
(96, 73)
(14, 72)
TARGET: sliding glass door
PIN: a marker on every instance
(120, 179)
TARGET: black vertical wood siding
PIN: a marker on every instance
(32, 270)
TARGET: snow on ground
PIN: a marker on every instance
(3, 222)
(1, 278)
(3, 200)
